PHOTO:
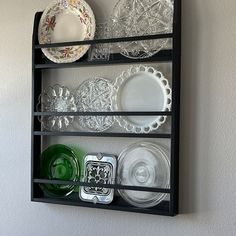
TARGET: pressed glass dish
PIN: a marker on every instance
(60, 162)
(94, 95)
(56, 98)
(142, 17)
(143, 164)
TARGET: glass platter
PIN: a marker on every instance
(147, 165)
(95, 95)
(142, 17)
(141, 88)
(56, 99)
(65, 21)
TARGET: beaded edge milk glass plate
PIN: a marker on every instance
(141, 17)
(65, 21)
(143, 164)
(141, 88)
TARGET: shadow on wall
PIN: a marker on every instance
(194, 140)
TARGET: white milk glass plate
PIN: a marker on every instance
(141, 88)
(66, 21)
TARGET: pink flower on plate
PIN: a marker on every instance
(50, 23)
(67, 52)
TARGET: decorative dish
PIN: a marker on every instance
(99, 169)
(95, 95)
(100, 52)
(65, 21)
(147, 165)
(56, 99)
(141, 88)
(142, 17)
(60, 162)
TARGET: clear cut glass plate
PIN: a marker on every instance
(143, 164)
(95, 95)
(141, 88)
(141, 17)
(65, 21)
(56, 98)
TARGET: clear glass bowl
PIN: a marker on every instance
(60, 162)
(56, 99)
(147, 165)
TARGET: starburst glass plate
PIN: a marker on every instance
(56, 99)
(65, 21)
(95, 95)
(143, 164)
(141, 88)
(142, 17)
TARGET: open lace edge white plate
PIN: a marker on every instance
(167, 92)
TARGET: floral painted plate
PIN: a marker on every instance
(141, 88)
(66, 21)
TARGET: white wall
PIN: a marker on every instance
(208, 133)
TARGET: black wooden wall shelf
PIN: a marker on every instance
(39, 63)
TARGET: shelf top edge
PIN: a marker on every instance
(103, 41)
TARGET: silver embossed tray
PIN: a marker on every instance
(98, 169)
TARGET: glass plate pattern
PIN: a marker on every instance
(142, 17)
(95, 95)
(56, 99)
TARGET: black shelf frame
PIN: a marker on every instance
(40, 63)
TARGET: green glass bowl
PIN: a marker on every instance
(61, 162)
